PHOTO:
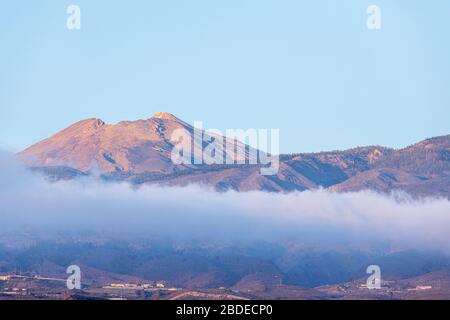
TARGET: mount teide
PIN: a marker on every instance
(129, 146)
(140, 152)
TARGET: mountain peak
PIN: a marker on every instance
(91, 122)
(165, 116)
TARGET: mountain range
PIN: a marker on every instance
(140, 152)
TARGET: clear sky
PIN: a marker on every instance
(310, 68)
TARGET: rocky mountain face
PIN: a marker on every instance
(140, 152)
(129, 146)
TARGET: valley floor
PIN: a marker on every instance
(431, 286)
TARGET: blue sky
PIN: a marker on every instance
(310, 68)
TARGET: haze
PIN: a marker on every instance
(319, 217)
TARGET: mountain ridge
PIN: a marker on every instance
(140, 152)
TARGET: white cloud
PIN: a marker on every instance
(28, 201)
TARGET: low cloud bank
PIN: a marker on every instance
(28, 202)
